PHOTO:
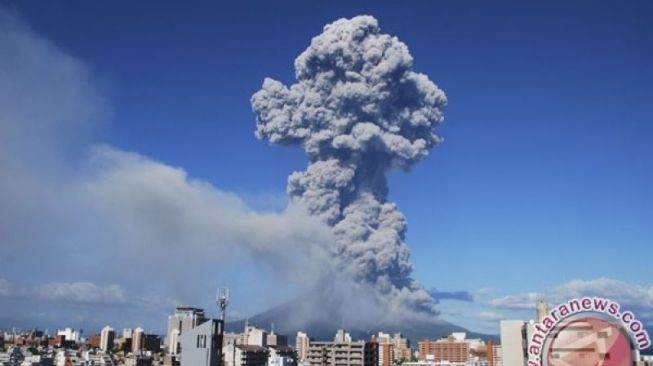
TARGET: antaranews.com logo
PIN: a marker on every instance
(587, 331)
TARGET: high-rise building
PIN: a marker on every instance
(107, 336)
(184, 319)
(253, 336)
(385, 348)
(449, 349)
(274, 339)
(124, 344)
(492, 353)
(515, 335)
(69, 334)
(542, 310)
(152, 343)
(401, 348)
(301, 344)
(138, 338)
(173, 342)
(202, 345)
(342, 336)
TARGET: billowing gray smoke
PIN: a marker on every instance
(358, 110)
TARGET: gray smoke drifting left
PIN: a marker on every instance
(358, 109)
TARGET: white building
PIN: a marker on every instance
(92, 357)
(201, 346)
(386, 349)
(107, 336)
(137, 340)
(515, 336)
(173, 342)
(254, 336)
(280, 356)
(401, 348)
(70, 334)
(342, 336)
(184, 319)
(64, 356)
(301, 344)
(542, 310)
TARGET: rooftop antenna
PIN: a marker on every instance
(272, 328)
(223, 301)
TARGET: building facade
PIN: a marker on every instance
(450, 349)
(401, 348)
(202, 345)
(184, 319)
(541, 310)
(137, 340)
(514, 341)
(342, 354)
(107, 336)
(245, 355)
(301, 345)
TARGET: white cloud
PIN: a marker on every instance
(485, 313)
(637, 298)
(490, 316)
(520, 301)
(627, 294)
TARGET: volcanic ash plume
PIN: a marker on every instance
(358, 110)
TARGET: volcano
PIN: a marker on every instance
(284, 320)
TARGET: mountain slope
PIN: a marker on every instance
(284, 323)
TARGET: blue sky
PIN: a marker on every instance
(544, 175)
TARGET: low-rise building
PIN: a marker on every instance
(282, 356)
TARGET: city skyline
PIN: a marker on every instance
(134, 132)
(192, 340)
